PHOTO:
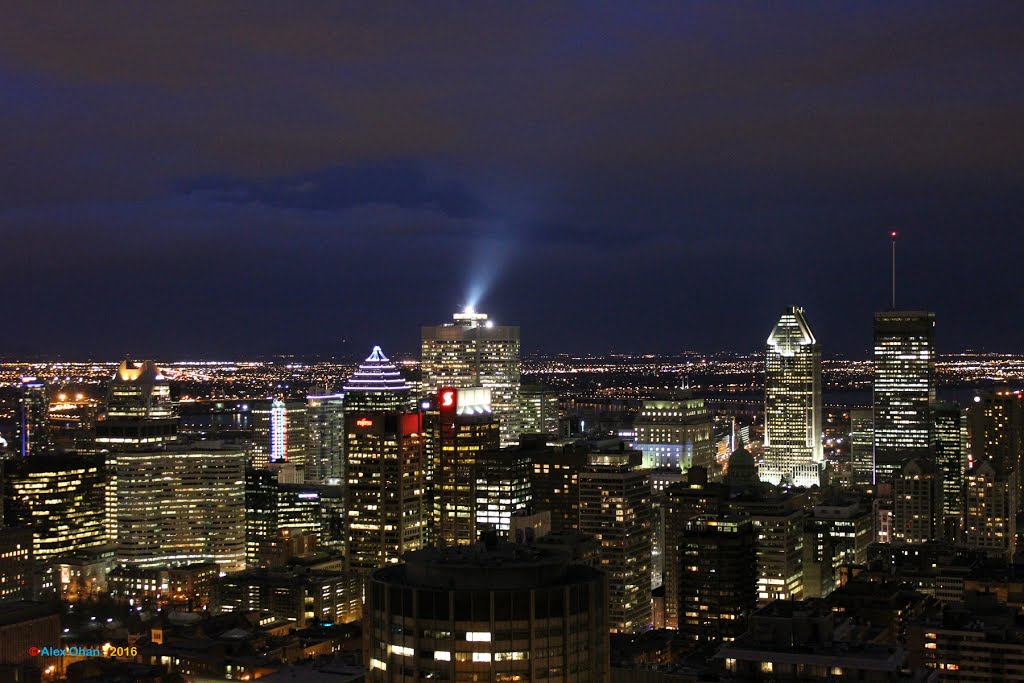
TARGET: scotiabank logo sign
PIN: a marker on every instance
(447, 401)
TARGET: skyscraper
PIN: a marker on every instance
(502, 489)
(538, 410)
(990, 510)
(862, 445)
(471, 351)
(615, 507)
(674, 431)
(34, 417)
(278, 433)
(904, 389)
(467, 429)
(325, 437)
(951, 457)
(385, 466)
(792, 402)
(139, 413)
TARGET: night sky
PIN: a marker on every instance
(236, 179)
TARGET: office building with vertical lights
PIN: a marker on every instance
(615, 507)
(467, 428)
(951, 457)
(505, 612)
(792, 402)
(278, 433)
(904, 389)
(862, 445)
(469, 352)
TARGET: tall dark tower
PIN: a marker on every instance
(34, 417)
(904, 389)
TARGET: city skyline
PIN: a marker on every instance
(726, 163)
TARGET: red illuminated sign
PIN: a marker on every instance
(447, 401)
(364, 422)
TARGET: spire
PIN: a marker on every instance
(376, 373)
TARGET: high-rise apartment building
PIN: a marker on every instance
(792, 402)
(325, 438)
(904, 389)
(990, 510)
(178, 506)
(34, 417)
(995, 423)
(862, 445)
(503, 613)
(675, 431)
(917, 503)
(467, 428)
(60, 498)
(718, 578)
(469, 352)
(615, 507)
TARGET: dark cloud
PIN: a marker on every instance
(688, 167)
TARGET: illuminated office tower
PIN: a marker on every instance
(779, 519)
(904, 389)
(615, 508)
(502, 489)
(317, 509)
(325, 434)
(260, 515)
(674, 431)
(505, 612)
(995, 423)
(538, 410)
(386, 494)
(377, 384)
(60, 497)
(178, 506)
(862, 445)
(139, 413)
(990, 510)
(467, 428)
(16, 563)
(792, 402)
(917, 503)
(473, 352)
(718, 581)
(278, 433)
(951, 456)
(34, 417)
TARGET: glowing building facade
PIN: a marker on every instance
(386, 503)
(990, 510)
(178, 506)
(951, 456)
(60, 498)
(325, 438)
(792, 402)
(278, 433)
(996, 428)
(473, 352)
(904, 389)
(862, 445)
(139, 413)
(674, 432)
